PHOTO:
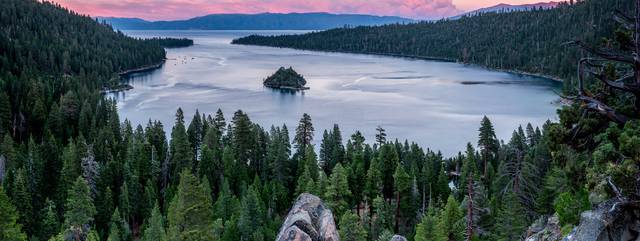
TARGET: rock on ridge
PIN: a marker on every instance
(308, 220)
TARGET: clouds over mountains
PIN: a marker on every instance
(183, 9)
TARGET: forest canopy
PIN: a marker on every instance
(71, 169)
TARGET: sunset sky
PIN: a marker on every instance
(183, 9)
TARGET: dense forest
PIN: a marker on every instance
(526, 41)
(72, 170)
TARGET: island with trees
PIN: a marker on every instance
(286, 79)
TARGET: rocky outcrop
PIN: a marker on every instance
(545, 229)
(308, 220)
(614, 220)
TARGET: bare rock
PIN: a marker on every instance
(308, 220)
(398, 238)
(611, 221)
(545, 229)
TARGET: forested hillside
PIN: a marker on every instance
(72, 170)
(529, 41)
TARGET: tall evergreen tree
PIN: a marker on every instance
(10, 229)
(381, 136)
(351, 229)
(195, 134)
(252, 215)
(449, 226)
(337, 194)
(181, 152)
(190, 212)
(154, 230)
(304, 134)
(79, 209)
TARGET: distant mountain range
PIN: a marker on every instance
(263, 21)
(503, 7)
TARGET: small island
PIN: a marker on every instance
(287, 79)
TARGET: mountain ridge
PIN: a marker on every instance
(259, 21)
(505, 7)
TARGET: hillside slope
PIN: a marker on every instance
(524, 41)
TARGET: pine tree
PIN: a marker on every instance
(488, 143)
(50, 225)
(190, 212)
(351, 229)
(227, 204)
(195, 133)
(22, 200)
(305, 183)
(304, 134)
(115, 233)
(337, 193)
(441, 189)
(402, 185)
(118, 228)
(252, 214)
(511, 220)
(155, 226)
(426, 229)
(449, 226)
(79, 209)
(383, 217)
(10, 229)
(388, 159)
(242, 138)
(219, 121)
(181, 152)
(278, 152)
(381, 136)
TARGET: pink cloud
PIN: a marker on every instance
(183, 9)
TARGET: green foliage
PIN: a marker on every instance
(426, 229)
(511, 219)
(351, 229)
(190, 212)
(154, 230)
(10, 229)
(569, 206)
(285, 78)
(79, 207)
(181, 152)
(337, 193)
(50, 224)
(630, 139)
(449, 226)
(252, 215)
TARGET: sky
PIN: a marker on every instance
(184, 9)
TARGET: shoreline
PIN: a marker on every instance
(126, 73)
(142, 69)
(287, 88)
(442, 59)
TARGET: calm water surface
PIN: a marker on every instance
(436, 104)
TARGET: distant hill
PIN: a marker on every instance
(503, 7)
(521, 41)
(262, 21)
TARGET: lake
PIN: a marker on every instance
(438, 105)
